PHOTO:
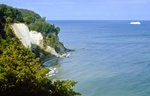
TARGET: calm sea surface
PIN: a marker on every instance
(111, 58)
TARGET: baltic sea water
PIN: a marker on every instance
(111, 58)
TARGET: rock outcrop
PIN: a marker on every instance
(35, 41)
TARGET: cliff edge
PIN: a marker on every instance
(36, 42)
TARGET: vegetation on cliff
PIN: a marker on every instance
(21, 73)
(33, 20)
(36, 23)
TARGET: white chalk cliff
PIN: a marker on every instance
(33, 39)
(36, 38)
(22, 32)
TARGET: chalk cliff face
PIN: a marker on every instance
(34, 40)
(22, 32)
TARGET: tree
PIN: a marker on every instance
(9, 20)
(57, 30)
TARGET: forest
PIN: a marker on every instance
(21, 72)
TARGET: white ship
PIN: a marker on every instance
(135, 22)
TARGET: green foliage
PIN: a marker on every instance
(29, 16)
(21, 72)
(41, 25)
(64, 88)
(52, 40)
(9, 14)
(57, 30)
(9, 20)
(36, 23)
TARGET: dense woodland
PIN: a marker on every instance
(21, 73)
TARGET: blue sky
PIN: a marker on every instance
(86, 9)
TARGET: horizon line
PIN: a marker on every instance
(98, 20)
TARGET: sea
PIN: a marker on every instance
(109, 57)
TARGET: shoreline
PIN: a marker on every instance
(52, 69)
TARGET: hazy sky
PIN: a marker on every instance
(86, 9)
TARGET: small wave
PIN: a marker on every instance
(52, 71)
(67, 55)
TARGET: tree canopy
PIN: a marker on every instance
(21, 73)
(37, 23)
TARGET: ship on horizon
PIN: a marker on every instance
(135, 22)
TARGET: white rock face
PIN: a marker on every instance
(36, 38)
(22, 32)
(33, 39)
(52, 51)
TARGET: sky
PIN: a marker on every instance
(86, 9)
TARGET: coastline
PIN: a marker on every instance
(21, 54)
(52, 62)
